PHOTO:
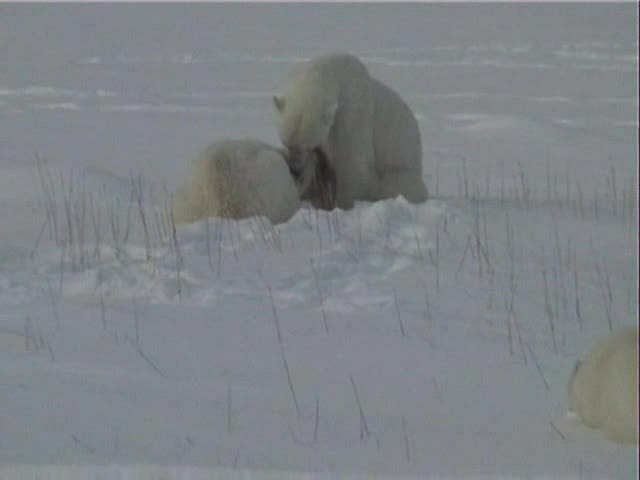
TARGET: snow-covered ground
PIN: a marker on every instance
(392, 339)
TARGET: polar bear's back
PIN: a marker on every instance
(334, 75)
(603, 391)
(237, 179)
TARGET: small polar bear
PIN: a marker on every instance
(603, 388)
(367, 132)
(237, 179)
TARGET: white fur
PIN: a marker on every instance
(603, 389)
(369, 134)
(237, 179)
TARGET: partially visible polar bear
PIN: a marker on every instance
(603, 389)
(367, 132)
(237, 179)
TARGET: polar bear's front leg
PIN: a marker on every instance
(408, 183)
(354, 181)
(353, 161)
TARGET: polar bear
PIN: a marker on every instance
(365, 129)
(603, 388)
(237, 179)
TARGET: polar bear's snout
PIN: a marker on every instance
(303, 164)
(302, 168)
(315, 178)
(297, 161)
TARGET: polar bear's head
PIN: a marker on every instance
(304, 126)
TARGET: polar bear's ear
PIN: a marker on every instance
(279, 103)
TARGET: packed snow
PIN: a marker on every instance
(390, 340)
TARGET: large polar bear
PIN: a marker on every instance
(237, 179)
(367, 132)
(603, 389)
